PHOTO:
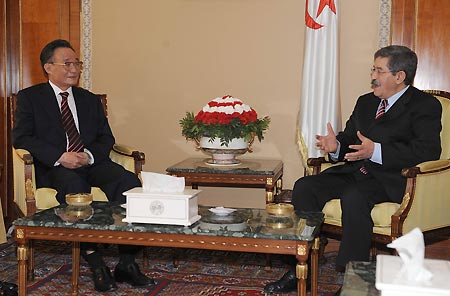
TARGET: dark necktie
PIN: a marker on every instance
(381, 109)
(75, 144)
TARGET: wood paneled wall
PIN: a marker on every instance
(424, 25)
(27, 25)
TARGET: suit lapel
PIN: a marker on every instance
(82, 110)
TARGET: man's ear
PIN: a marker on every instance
(400, 77)
(47, 68)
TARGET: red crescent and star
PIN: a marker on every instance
(310, 22)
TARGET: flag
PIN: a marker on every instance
(319, 102)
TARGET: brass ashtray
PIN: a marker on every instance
(82, 212)
(79, 199)
(279, 222)
(280, 209)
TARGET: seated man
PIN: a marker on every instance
(65, 129)
(393, 127)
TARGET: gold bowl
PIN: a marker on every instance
(79, 199)
(280, 209)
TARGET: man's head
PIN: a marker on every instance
(394, 68)
(60, 63)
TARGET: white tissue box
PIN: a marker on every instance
(389, 285)
(177, 208)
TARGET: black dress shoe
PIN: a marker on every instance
(287, 283)
(131, 274)
(340, 268)
(103, 280)
(8, 289)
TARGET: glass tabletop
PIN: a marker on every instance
(244, 222)
(247, 167)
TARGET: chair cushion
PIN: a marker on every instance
(381, 213)
(46, 197)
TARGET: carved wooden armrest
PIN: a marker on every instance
(426, 168)
(28, 182)
(129, 151)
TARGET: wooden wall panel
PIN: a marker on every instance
(433, 44)
(424, 26)
(3, 144)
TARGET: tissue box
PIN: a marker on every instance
(178, 208)
(389, 266)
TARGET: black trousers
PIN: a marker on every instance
(358, 193)
(111, 178)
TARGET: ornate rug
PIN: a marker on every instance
(195, 272)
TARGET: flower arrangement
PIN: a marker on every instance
(225, 118)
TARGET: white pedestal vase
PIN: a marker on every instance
(222, 154)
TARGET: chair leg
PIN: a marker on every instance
(322, 244)
(373, 253)
(145, 256)
(268, 262)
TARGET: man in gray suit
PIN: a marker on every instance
(393, 127)
(65, 129)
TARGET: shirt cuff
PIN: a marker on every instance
(90, 157)
(376, 155)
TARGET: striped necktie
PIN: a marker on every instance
(381, 109)
(75, 144)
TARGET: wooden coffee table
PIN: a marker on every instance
(254, 231)
(260, 173)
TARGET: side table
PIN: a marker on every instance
(261, 173)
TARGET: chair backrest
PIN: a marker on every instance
(444, 98)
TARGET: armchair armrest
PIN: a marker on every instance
(24, 181)
(130, 158)
(319, 164)
(426, 204)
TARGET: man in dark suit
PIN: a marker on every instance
(393, 127)
(65, 129)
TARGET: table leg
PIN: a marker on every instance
(315, 266)
(270, 188)
(302, 275)
(75, 267)
(22, 261)
(194, 186)
(30, 260)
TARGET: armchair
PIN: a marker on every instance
(426, 202)
(29, 199)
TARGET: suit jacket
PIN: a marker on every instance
(409, 133)
(38, 125)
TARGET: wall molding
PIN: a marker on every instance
(86, 44)
(384, 24)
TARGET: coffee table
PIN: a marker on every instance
(262, 173)
(246, 230)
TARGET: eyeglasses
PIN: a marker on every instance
(378, 71)
(78, 65)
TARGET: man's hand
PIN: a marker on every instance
(328, 143)
(363, 151)
(74, 160)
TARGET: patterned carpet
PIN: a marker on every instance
(198, 272)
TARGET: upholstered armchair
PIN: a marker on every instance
(426, 203)
(29, 199)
